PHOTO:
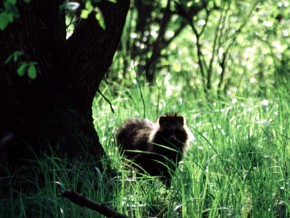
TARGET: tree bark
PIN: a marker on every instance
(53, 111)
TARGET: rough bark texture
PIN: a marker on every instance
(55, 108)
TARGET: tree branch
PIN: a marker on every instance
(157, 44)
(188, 16)
(216, 45)
(86, 202)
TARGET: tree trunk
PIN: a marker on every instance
(53, 111)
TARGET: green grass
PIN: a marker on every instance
(237, 166)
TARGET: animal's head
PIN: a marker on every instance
(172, 128)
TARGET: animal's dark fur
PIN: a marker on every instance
(155, 148)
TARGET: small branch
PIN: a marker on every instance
(107, 100)
(164, 44)
(232, 37)
(223, 67)
(216, 44)
(206, 21)
(188, 18)
(82, 201)
(176, 33)
(156, 47)
(222, 64)
(199, 54)
(249, 16)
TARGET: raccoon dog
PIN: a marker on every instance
(155, 148)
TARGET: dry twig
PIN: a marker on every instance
(82, 201)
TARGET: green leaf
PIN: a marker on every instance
(32, 72)
(9, 58)
(101, 20)
(88, 9)
(27, 1)
(14, 56)
(10, 17)
(4, 20)
(85, 14)
(21, 69)
(89, 6)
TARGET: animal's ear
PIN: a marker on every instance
(180, 119)
(162, 120)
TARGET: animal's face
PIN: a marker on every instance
(172, 129)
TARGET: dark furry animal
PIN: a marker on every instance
(155, 148)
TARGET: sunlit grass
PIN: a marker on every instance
(237, 166)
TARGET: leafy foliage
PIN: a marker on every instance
(24, 66)
(29, 68)
(219, 47)
(88, 8)
(15, 56)
(7, 13)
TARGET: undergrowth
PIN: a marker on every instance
(237, 166)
